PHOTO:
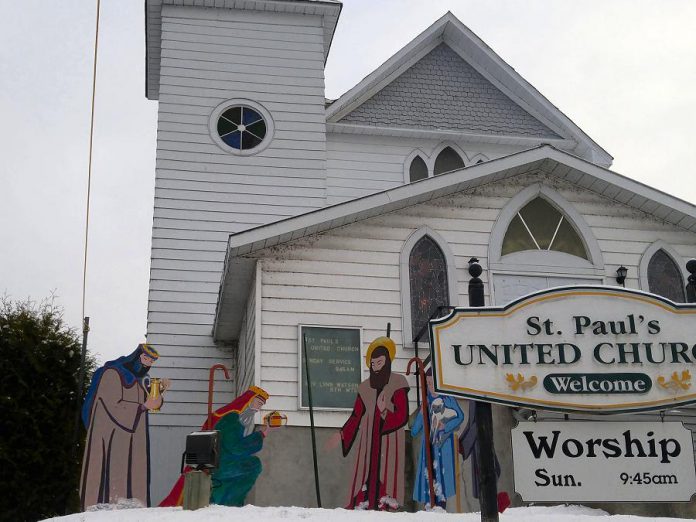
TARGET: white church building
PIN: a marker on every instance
(279, 213)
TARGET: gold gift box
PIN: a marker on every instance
(275, 419)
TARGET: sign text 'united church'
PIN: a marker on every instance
(572, 348)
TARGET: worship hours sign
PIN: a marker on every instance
(335, 366)
(603, 462)
(581, 348)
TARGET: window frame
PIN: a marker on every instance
(430, 159)
(242, 102)
(647, 256)
(531, 262)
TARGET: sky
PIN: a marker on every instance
(622, 70)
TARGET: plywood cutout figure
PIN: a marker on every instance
(239, 442)
(116, 462)
(375, 433)
(445, 418)
(469, 448)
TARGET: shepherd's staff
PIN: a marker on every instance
(426, 423)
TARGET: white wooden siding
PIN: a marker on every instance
(350, 276)
(359, 165)
(203, 194)
(244, 374)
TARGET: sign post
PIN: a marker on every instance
(583, 348)
(488, 487)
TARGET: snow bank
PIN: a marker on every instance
(284, 514)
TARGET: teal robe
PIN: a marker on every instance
(239, 468)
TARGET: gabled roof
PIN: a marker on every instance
(450, 31)
(441, 91)
(328, 9)
(547, 159)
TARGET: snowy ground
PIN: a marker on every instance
(284, 514)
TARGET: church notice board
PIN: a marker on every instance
(335, 366)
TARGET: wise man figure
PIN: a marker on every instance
(239, 442)
(375, 432)
(116, 462)
(445, 418)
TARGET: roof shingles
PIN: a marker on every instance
(443, 92)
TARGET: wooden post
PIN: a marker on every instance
(197, 487)
(691, 286)
(488, 487)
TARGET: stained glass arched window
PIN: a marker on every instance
(541, 226)
(427, 270)
(418, 169)
(447, 161)
(665, 277)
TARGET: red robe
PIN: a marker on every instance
(378, 473)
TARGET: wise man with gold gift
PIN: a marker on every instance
(239, 442)
(375, 432)
(116, 463)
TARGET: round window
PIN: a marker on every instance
(241, 127)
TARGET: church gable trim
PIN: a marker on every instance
(544, 159)
(478, 55)
(547, 160)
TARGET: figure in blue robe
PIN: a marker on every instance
(445, 417)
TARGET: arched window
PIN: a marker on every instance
(418, 169)
(541, 226)
(538, 241)
(665, 277)
(447, 161)
(427, 273)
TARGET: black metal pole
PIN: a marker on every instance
(488, 487)
(311, 420)
(691, 286)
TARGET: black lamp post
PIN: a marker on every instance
(691, 286)
(488, 487)
(621, 275)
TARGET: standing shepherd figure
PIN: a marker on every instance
(377, 422)
(116, 462)
(445, 417)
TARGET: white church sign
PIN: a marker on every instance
(603, 462)
(581, 348)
